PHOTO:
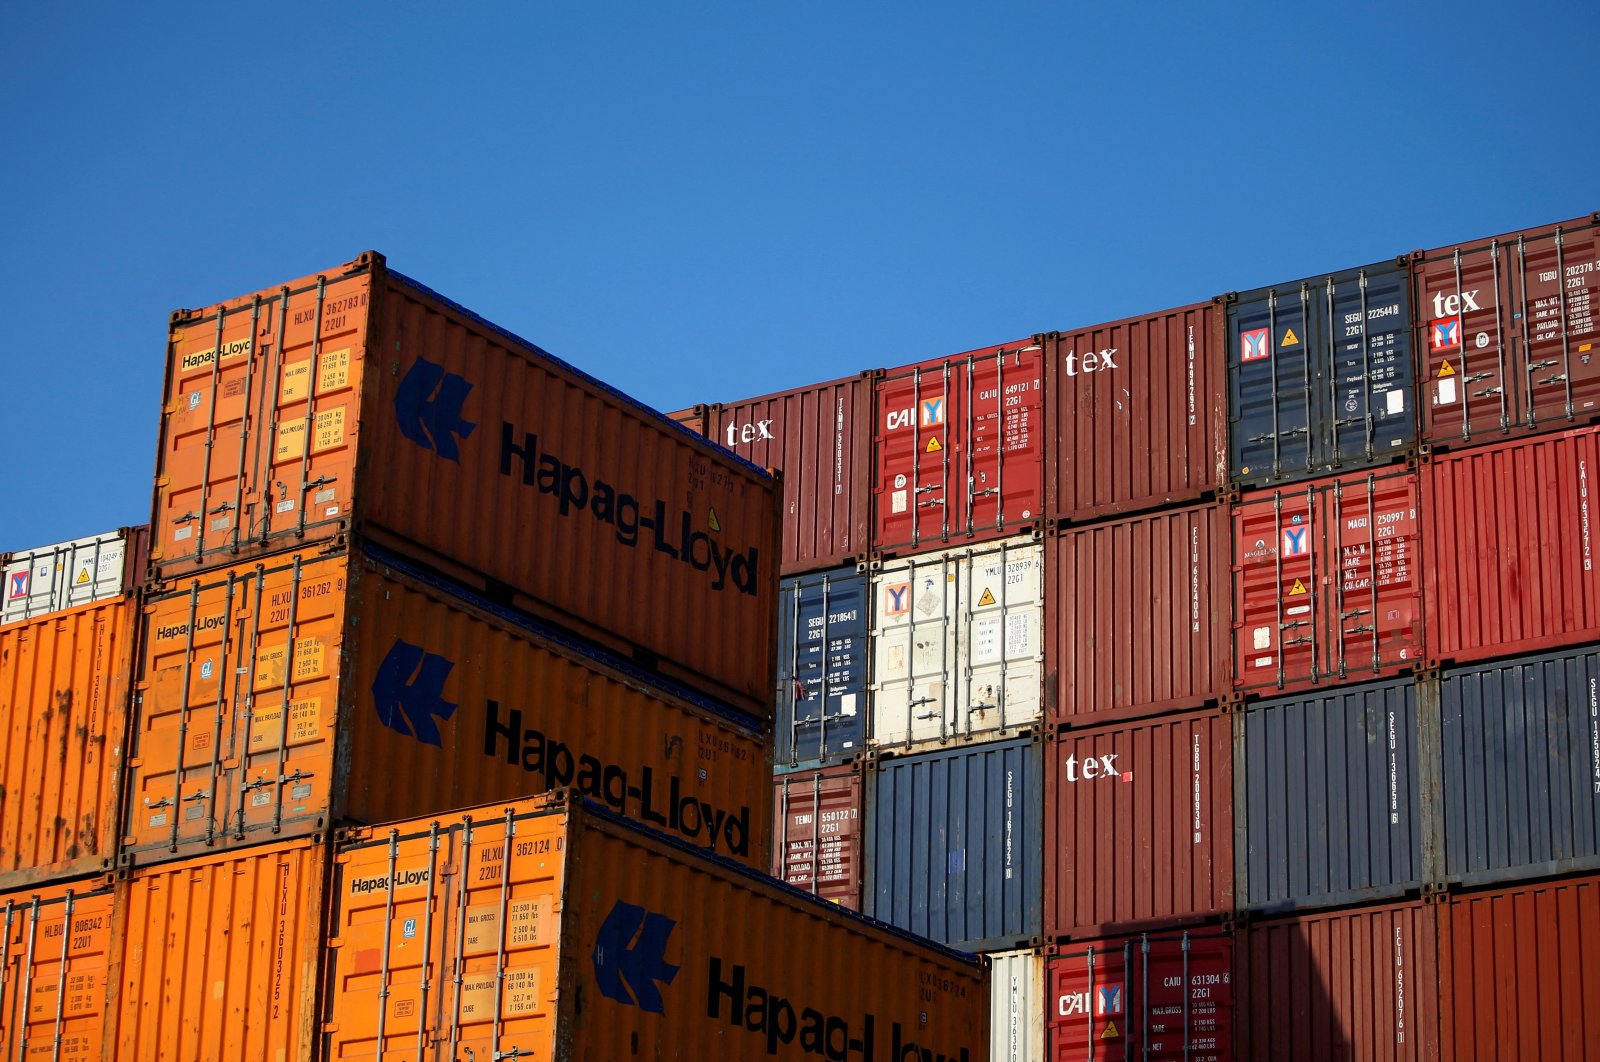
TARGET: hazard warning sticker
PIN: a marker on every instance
(1110, 1031)
(933, 445)
(1297, 589)
(987, 598)
(1254, 345)
(82, 577)
(1445, 369)
(712, 522)
(1289, 339)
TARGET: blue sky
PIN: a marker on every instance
(712, 201)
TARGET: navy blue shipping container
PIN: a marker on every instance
(822, 669)
(1521, 757)
(953, 844)
(1320, 375)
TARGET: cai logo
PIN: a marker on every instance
(409, 692)
(1296, 541)
(428, 408)
(1447, 333)
(630, 956)
(1254, 345)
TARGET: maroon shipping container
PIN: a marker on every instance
(1507, 336)
(694, 419)
(1510, 560)
(957, 448)
(1138, 825)
(1138, 412)
(819, 439)
(1326, 582)
(1359, 983)
(817, 841)
(1137, 620)
(1520, 973)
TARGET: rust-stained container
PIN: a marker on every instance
(358, 400)
(1138, 413)
(820, 439)
(1138, 825)
(1137, 616)
(1506, 335)
(1509, 554)
(1517, 973)
(67, 574)
(64, 688)
(543, 931)
(958, 448)
(407, 695)
(1327, 582)
(816, 844)
(55, 950)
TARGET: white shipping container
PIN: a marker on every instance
(65, 575)
(1016, 1000)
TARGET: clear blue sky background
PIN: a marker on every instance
(703, 202)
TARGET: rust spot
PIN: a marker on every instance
(73, 851)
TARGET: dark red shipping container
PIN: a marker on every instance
(1520, 973)
(1138, 412)
(1138, 825)
(1137, 616)
(693, 418)
(1510, 558)
(957, 448)
(819, 439)
(1326, 582)
(1507, 334)
(817, 843)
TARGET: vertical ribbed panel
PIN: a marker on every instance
(823, 619)
(1017, 1006)
(53, 977)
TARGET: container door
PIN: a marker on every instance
(1471, 385)
(999, 650)
(818, 842)
(913, 650)
(63, 576)
(54, 954)
(1273, 378)
(1369, 339)
(1555, 293)
(822, 668)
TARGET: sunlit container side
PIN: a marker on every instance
(359, 401)
(538, 931)
(1327, 583)
(1517, 973)
(1359, 983)
(1508, 547)
(1320, 374)
(64, 687)
(816, 843)
(1138, 825)
(1506, 333)
(1130, 999)
(822, 714)
(1016, 1009)
(820, 439)
(1137, 412)
(55, 948)
(953, 847)
(693, 418)
(69, 574)
(958, 448)
(1138, 616)
(1521, 767)
(1328, 798)
(957, 645)
(406, 695)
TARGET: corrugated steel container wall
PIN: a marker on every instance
(954, 847)
(1360, 983)
(1510, 562)
(1327, 585)
(957, 645)
(1521, 767)
(574, 935)
(822, 669)
(957, 448)
(1519, 972)
(1138, 413)
(1138, 825)
(358, 399)
(1138, 616)
(820, 439)
(1328, 799)
(1319, 375)
(694, 419)
(1147, 997)
(64, 688)
(1506, 333)
(816, 844)
(406, 696)
(68, 574)
(1016, 1012)
(55, 947)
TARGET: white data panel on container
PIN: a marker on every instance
(67, 574)
(1016, 1002)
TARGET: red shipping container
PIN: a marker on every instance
(1510, 560)
(1137, 620)
(818, 439)
(693, 418)
(1520, 973)
(1507, 333)
(1326, 582)
(957, 448)
(1137, 411)
(817, 842)
(1138, 825)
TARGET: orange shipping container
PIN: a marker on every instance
(63, 714)
(55, 946)
(554, 930)
(359, 400)
(407, 697)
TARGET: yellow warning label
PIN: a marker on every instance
(712, 521)
(1111, 1031)
(1297, 588)
(1584, 347)
(1290, 339)
(987, 598)
(933, 445)
(1445, 369)
(83, 577)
